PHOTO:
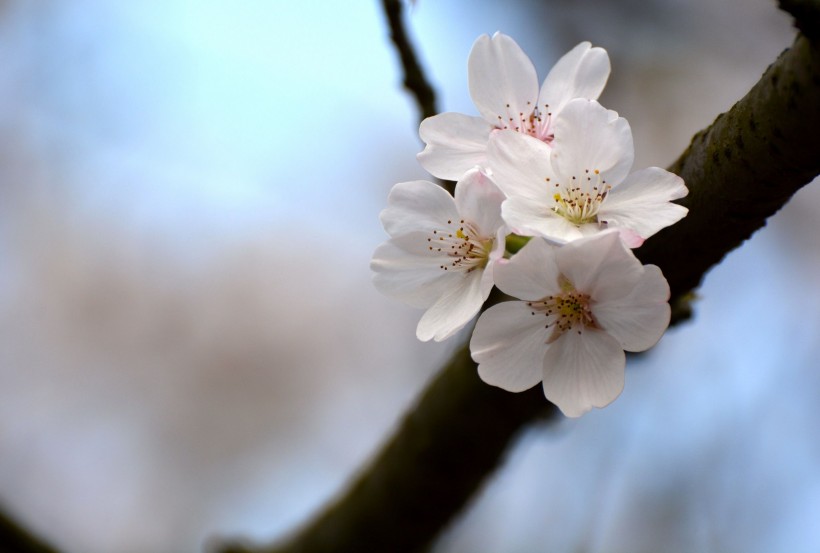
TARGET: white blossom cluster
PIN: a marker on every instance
(552, 166)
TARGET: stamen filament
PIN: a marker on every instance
(580, 203)
(568, 310)
(461, 242)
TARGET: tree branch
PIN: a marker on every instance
(743, 168)
(739, 171)
(15, 539)
(806, 15)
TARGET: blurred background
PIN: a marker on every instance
(191, 346)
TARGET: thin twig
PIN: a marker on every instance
(414, 80)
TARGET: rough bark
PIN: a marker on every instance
(14, 538)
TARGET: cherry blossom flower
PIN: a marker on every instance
(581, 184)
(583, 304)
(441, 250)
(504, 87)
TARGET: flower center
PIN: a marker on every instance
(538, 123)
(462, 244)
(580, 200)
(569, 310)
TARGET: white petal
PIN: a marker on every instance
(582, 371)
(508, 344)
(487, 279)
(455, 144)
(496, 256)
(531, 274)
(642, 202)
(638, 321)
(413, 278)
(417, 206)
(580, 73)
(531, 217)
(590, 229)
(452, 310)
(478, 200)
(601, 266)
(588, 136)
(502, 79)
(520, 164)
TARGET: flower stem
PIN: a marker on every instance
(515, 243)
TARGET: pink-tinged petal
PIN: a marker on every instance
(520, 164)
(478, 200)
(582, 371)
(638, 321)
(629, 237)
(455, 143)
(452, 310)
(580, 73)
(590, 137)
(417, 206)
(508, 344)
(536, 218)
(642, 202)
(600, 266)
(502, 79)
(531, 274)
(413, 278)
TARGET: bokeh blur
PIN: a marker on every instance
(191, 346)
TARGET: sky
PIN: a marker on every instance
(192, 344)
